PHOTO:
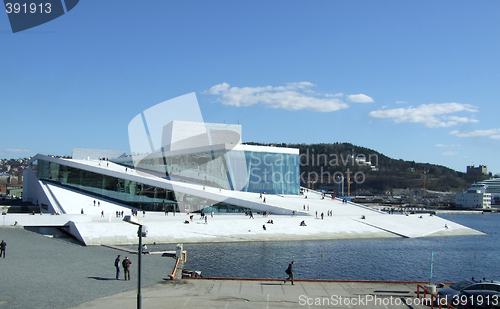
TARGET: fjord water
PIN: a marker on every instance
(408, 259)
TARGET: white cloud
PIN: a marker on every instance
(359, 98)
(491, 133)
(292, 96)
(457, 119)
(432, 115)
(336, 95)
(401, 102)
(449, 153)
(218, 89)
(441, 145)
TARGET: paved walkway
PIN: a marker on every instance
(42, 272)
(252, 294)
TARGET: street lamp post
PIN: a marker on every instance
(140, 234)
(139, 266)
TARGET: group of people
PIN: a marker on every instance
(135, 212)
(329, 213)
(105, 160)
(126, 267)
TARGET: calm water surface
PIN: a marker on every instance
(454, 258)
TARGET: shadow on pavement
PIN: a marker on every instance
(271, 283)
(101, 278)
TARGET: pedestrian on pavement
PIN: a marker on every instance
(3, 244)
(126, 267)
(289, 272)
(117, 265)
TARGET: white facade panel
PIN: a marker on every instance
(473, 200)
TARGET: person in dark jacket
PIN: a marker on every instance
(3, 244)
(117, 265)
(126, 267)
(289, 272)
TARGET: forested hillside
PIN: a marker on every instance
(381, 173)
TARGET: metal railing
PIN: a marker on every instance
(434, 296)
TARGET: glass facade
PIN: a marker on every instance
(248, 171)
(273, 173)
(126, 192)
(123, 191)
(227, 208)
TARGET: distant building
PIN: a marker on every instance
(473, 199)
(360, 160)
(479, 195)
(479, 170)
(4, 177)
(491, 186)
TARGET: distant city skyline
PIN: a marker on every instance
(414, 81)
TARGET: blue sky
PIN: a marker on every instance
(413, 80)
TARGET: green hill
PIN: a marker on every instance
(373, 171)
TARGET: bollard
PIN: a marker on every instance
(178, 251)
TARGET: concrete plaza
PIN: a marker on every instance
(257, 294)
(42, 272)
